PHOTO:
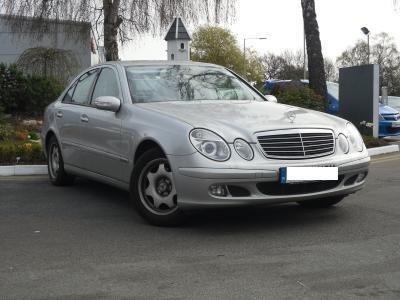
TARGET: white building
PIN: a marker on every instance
(67, 35)
(178, 40)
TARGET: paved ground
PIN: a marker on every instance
(86, 241)
(394, 140)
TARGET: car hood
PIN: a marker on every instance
(233, 119)
(387, 110)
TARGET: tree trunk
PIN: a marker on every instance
(111, 23)
(315, 59)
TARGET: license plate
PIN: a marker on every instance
(307, 174)
(396, 125)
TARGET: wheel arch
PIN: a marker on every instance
(49, 135)
(145, 146)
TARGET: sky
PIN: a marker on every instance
(281, 22)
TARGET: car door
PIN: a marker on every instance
(102, 131)
(68, 117)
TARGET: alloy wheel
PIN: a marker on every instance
(156, 187)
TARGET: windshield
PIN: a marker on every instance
(185, 83)
(394, 102)
(333, 89)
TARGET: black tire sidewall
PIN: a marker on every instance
(62, 177)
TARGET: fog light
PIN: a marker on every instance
(361, 176)
(218, 190)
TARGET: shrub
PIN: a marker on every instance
(2, 116)
(41, 91)
(25, 94)
(27, 153)
(371, 141)
(6, 132)
(298, 95)
(12, 86)
(21, 135)
(33, 135)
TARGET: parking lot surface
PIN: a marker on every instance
(87, 241)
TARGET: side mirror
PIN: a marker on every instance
(271, 98)
(109, 103)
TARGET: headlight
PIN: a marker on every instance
(343, 143)
(381, 118)
(243, 149)
(355, 138)
(210, 144)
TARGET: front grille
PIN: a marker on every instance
(297, 143)
(393, 117)
(393, 130)
(278, 189)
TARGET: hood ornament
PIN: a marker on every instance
(291, 115)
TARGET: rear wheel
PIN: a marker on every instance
(55, 164)
(153, 190)
(321, 203)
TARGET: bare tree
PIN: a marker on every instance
(114, 20)
(383, 52)
(57, 63)
(273, 65)
(314, 52)
(331, 72)
(288, 65)
(396, 5)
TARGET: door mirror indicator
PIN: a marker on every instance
(109, 103)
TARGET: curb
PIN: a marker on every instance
(383, 150)
(21, 170)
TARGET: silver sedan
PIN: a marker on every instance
(183, 135)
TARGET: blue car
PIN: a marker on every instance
(389, 118)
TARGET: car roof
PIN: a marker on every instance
(158, 63)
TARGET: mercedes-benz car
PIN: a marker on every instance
(185, 135)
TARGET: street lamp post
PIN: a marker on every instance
(244, 51)
(366, 31)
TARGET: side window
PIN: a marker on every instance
(107, 84)
(83, 88)
(68, 96)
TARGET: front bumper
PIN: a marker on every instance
(192, 183)
(389, 128)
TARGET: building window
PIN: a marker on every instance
(172, 56)
(182, 46)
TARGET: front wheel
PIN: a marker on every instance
(153, 190)
(321, 203)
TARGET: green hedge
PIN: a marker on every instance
(298, 95)
(371, 141)
(28, 153)
(28, 95)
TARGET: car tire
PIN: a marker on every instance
(321, 203)
(152, 190)
(55, 165)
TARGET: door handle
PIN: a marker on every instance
(59, 114)
(84, 118)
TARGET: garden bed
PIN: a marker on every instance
(20, 142)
